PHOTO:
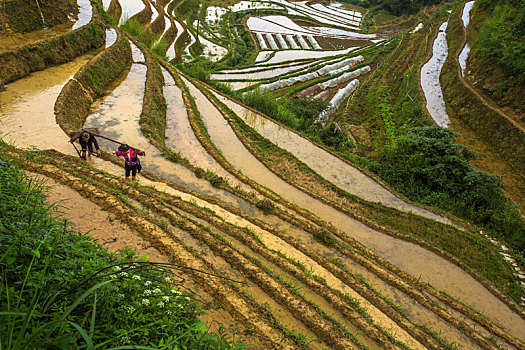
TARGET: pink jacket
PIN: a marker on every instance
(131, 158)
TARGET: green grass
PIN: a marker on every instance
(60, 289)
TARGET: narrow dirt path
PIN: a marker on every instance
(489, 103)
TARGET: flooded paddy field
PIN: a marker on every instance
(295, 271)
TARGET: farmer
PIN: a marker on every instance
(87, 141)
(131, 160)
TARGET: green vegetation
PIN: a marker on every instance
(394, 7)
(428, 166)
(60, 289)
(137, 30)
(500, 39)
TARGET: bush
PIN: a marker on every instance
(500, 37)
(61, 290)
(428, 166)
(267, 104)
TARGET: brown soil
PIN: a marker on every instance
(166, 227)
(112, 234)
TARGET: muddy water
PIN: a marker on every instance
(328, 166)
(309, 295)
(304, 290)
(17, 40)
(409, 257)
(87, 217)
(430, 73)
(84, 15)
(117, 117)
(27, 115)
(414, 310)
(234, 151)
(180, 137)
(277, 244)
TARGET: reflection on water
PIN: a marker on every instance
(117, 117)
(328, 166)
(16, 40)
(130, 8)
(27, 116)
(84, 15)
(407, 256)
(180, 136)
(466, 49)
(111, 37)
(171, 50)
(264, 74)
(291, 55)
(430, 73)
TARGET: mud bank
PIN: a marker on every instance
(257, 322)
(90, 82)
(19, 62)
(22, 16)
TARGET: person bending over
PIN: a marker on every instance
(87, 141)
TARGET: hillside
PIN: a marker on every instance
(310, 171)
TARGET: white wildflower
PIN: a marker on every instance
(136, 277)
(168, 312)
(112, 277)
(174, 291)
(147, 292)
(157, 291)
(168, 279)
(125, 274)
(117, 268)
(187, 298)
(147, 283)
(145, 302)
(166, 298)
(160, 304)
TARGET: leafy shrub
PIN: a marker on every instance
(265, 205)
(61, 290)
(323, 236)
(501, 34)
(197, 70)
(267, 104)
(428, 166)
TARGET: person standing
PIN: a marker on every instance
(131, 160)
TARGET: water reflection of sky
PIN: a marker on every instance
(84, 15)
(130, 8)
(430, 73)
(291, 55)
(466, 49)
(111, 37)
(171, 50)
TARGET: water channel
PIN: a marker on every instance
(430, 84)
(407, 256)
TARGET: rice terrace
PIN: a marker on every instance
(276, 174)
